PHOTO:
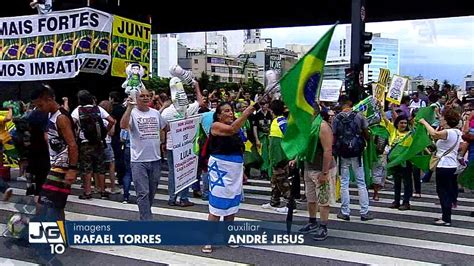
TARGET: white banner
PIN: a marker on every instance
(55, 46)
(185, 161)
(330, 90)
(396, 89)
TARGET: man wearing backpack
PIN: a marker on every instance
(351, 133)
(92, 132)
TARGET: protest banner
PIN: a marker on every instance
(395, 91)
(130, 43)
(381, 85)
(57, 45)
(185, 161)
(330, 90)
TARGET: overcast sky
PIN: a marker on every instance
(435, 48)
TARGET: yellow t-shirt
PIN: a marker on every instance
(395, 135)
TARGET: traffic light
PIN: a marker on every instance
(366, 48)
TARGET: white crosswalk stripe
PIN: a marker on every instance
(431, 244)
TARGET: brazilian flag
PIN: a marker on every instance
(411, 147)
(299, 88)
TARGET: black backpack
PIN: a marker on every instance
(92, 125)
(349, 142)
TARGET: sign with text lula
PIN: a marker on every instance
(55, 46)
(184, 160)
(131, 43)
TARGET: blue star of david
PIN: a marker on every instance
(220, 175)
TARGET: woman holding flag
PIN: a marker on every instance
(397, 132)
(225, 166)
(447, 146)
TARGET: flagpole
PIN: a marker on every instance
(267, 92)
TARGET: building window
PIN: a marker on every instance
(196, 61)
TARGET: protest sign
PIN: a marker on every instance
(395, 91)
(330, 90)
(185, 161)
(57, 45)
(131, 43)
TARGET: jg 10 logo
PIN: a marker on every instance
(51, 233)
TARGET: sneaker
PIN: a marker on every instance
(302, 200)
(404, 207)
(309, 228)
(85, 196)
(116, 191)
(126, 200)
(344, 217)
(441, 223)
(206, 249)
(104, 195)
(394, 205)
(275, 204)
(205, 198)
(8, 194)
(185, 203)
(197, 194)
(172, 203)
(21, 178)
(321, 233)
(366, 217)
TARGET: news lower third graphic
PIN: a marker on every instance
(51, 233)
(76, 233)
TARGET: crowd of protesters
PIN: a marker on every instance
(107, 145)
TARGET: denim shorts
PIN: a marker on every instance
(109, 153)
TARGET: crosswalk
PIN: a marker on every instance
(393, 238)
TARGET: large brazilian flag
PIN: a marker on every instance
(299, 88)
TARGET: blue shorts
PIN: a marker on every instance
(109, 153)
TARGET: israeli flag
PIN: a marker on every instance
(225, 184)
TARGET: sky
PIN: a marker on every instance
(435, 48)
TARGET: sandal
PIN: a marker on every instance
(206, 249)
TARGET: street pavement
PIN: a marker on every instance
(393, 238)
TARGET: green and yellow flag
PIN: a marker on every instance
(299, 89)
(411, 148)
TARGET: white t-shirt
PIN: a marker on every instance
(450, 159)
(171, 113)
(75, 116)
(417, 105)
(145, 135)
(108, 138)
